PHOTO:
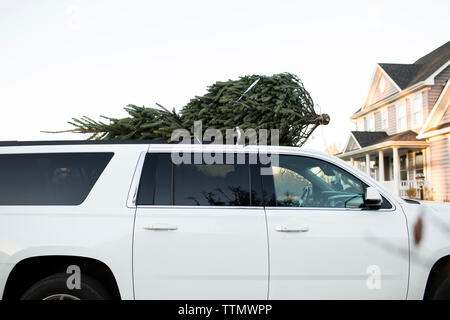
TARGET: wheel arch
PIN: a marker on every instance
(32, 269)
(439, 272)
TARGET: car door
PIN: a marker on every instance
(323, 244)
(199, 232)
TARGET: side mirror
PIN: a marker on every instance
(372, 198)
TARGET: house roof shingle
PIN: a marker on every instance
(406, 75)
(368, 138)
(401, 74)
(407, 135)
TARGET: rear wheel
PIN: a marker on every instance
(55, 287)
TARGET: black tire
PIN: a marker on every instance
(55, 285)
(443, 291)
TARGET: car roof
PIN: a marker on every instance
(158, 144)
(75, 142)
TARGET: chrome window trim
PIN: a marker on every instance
(329, 209)
(198, 207)
(259, 208)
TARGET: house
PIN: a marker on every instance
(402, 136)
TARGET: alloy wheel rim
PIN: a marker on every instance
(61, 296)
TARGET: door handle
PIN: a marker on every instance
(161, 226)
(287, 228)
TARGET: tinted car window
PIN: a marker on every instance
(155, 186)
(256, 197)
(202, 184)
(49, 178)
(308, 182)
(211, 184)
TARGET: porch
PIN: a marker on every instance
(401, 166)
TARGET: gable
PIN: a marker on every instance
(446, 117)
(352, 144)
(381, 86)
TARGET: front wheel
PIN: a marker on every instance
(55, 287)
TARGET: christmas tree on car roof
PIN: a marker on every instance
(275, 102)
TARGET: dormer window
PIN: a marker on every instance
(370, 122)
(360, 124)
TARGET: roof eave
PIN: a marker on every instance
(433, 133)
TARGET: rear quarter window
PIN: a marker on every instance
(49, 178)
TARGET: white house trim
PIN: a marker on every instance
(385, 73)
(372, 85)
(434, 133)
(369, 89)
(436, 113)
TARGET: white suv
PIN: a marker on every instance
(128, 220)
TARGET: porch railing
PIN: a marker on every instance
(405, 185)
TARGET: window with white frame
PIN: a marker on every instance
(370, 122)
(417, 110)
(401, 116)
(360, 124)
(384, 118)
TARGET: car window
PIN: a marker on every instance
(49, 178)
(211, 184)
(190, 184)
(289, 187)
(307, 182)
(155, 186)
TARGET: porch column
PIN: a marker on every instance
(352, 161)
(381, 164)
(368, 164)
(396, 169)
(427, 164)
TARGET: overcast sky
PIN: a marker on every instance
(63, 59)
